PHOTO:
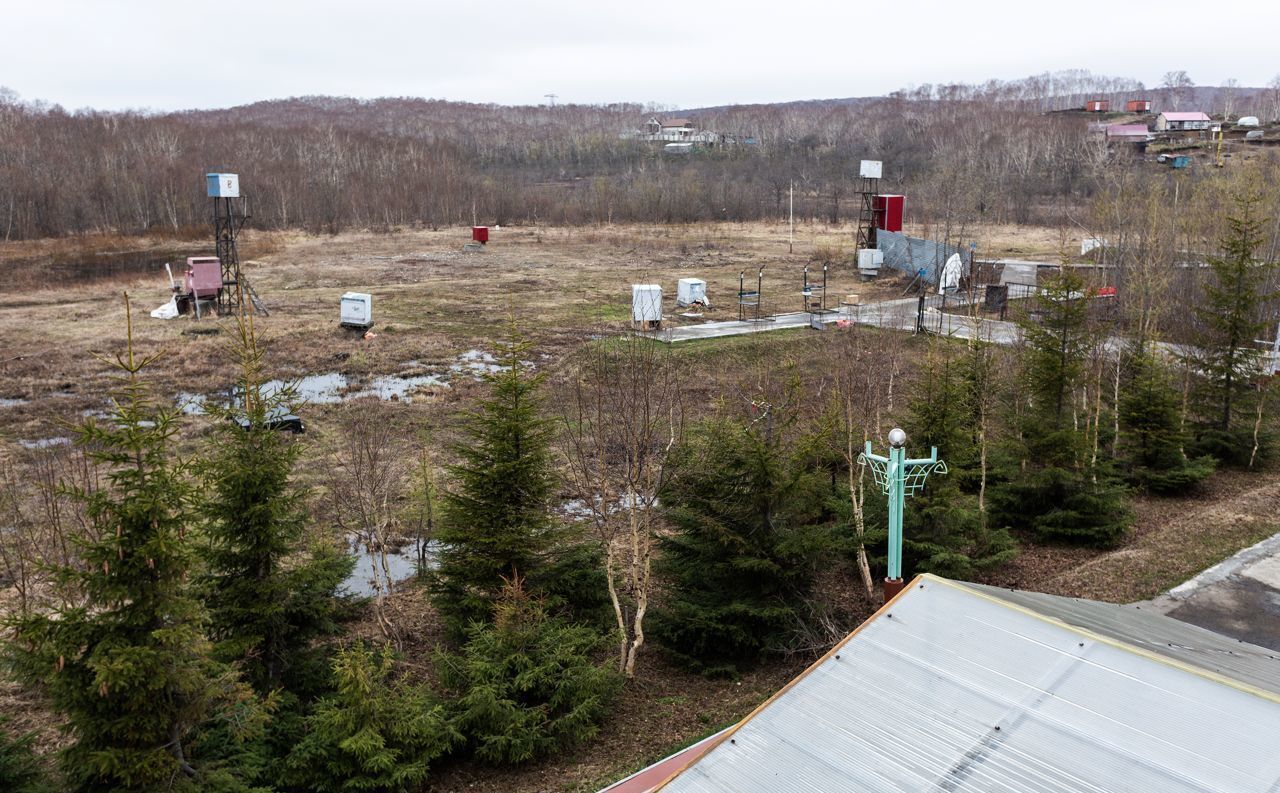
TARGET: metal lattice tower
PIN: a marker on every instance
(228, 218)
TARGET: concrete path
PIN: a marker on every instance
(897, 314)
(1239, 597)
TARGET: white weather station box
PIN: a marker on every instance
(357, 310)
(646, 304)
(223, 185)
(870, 169)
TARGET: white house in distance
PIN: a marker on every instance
(1175, 122)
(674, 129)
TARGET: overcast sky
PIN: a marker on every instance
(173, 54)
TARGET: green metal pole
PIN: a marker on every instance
(897, 481)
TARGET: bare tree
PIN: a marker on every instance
(622, 417)
(364, 486)
(1177, 86)
(862, 386)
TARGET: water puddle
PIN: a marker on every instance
(400, 387)
(44, 443)
(318, 389)
(403, 565)
(476, 363)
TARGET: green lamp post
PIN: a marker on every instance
(898, 477)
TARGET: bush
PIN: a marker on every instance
(372, 733)
(527, 684)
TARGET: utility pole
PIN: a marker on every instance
(791, 204)
(553, 98)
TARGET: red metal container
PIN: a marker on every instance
(480, 234)
(889, 212)
(203, 277)
(1138, 106)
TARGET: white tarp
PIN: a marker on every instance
(167, 311)
(951, 273)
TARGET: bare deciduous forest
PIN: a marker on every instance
(991, 152)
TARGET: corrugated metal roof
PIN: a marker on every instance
(1149, 631)
(955, 687)
(1185, 116)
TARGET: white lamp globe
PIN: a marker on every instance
(897, 438)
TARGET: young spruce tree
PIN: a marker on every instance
(944, 530)
(269, 597)
(496, 521)
(374, 733)
(1231, 317)
(129, 670)
(1061, 490)
(528, 684)
(1152, 440)
(749, 523)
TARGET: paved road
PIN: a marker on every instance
(1239, 597)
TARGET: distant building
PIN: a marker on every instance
(679, 130)
(1138, 106)
(1097, 106)
(673, 129)
(1177, 122)
(1128, 133)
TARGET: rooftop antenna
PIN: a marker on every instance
(553, 98)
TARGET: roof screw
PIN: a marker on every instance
(889, 615)
(733, 740)
(837, 658)
(1082, 644)
(997, 728)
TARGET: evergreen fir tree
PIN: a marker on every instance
(20, 770)
(1152, 438)
(943, 530)
(373, 733)
(269, 598)
(1060, 492)
(129, 670)
(528, 685)
(749, 523)
(1231, 317)
(496, 521)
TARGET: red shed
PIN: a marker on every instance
(889, 212)
(1138, 106)
(480, 234)
(1097, 106)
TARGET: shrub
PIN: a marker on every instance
(373, 733)
(527, 684)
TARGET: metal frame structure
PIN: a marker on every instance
(868, 215)
(753, 299)
(808, 291)
(899, 477)
(228, 219)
